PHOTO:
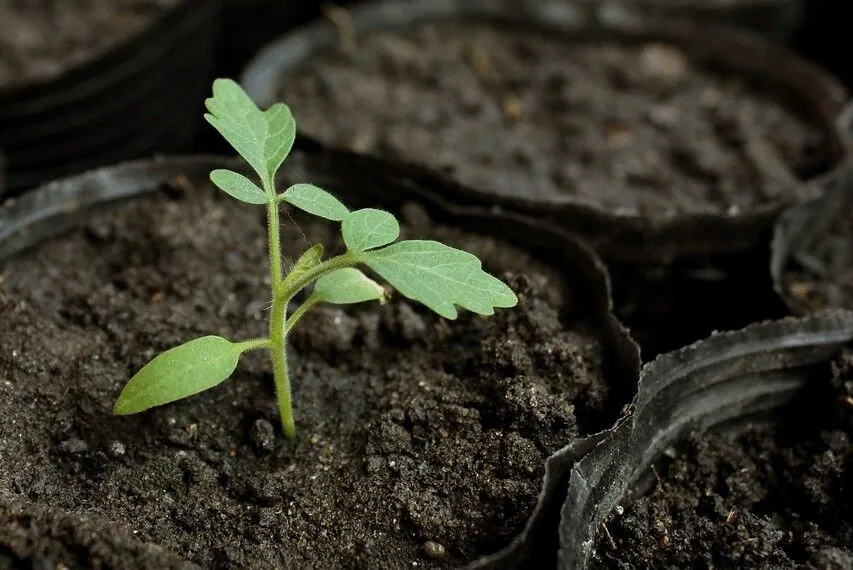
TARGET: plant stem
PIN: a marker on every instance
(278, 354)
(347, 259)
(253, 344)
(279, 323)
(278, 316)
(297, 314)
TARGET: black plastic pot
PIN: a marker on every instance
(27, 221)
(2, 172)
(823, 36)
(775, 19)
(625, 236)
(141, 96)
(254, 23)
(811, 252)
(724, 381)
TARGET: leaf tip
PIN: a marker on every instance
(123, 408)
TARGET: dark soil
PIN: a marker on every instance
(770, 498)
(635, 129)
(822, 277)
(43, 38)
(421, 441)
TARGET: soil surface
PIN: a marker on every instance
(43, 38)
(421, 441)
(770, 498)
(636, 129)
(822, 277)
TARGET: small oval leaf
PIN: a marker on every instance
(346, 286)
(369, 228)
(238, 186)
(178, 373)
(315, 200)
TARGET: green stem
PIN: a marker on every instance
(253, 344)
(300, 310)
(347, 259)
(278, 316)
(278, 354)
(273, 232)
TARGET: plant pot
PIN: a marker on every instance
(254, 23)
(810, 254)
(416, 436)
(491, 97)
(776, 19)
(729, 381)
(822, 36)
(127, 99)
(2, 172)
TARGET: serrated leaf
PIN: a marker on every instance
(262, 138)
(346, 286)
(315, 200)
(238, 186)
(178, 373)
(440, 277)
(312, 256)
(369, 228)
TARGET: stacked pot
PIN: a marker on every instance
(613, 164)
(127, 85)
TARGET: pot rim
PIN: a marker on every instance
(659, 238)
(714, 382)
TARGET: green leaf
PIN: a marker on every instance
(238, 186)
(369, 228)
(440, 277)
(347, 285)
(315, 201)
(281, 133)
(312, 256)
(178, 373)
(263, 139)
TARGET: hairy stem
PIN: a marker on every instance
(347, 259)
(253, 344)
(278, 316)
(297, 314)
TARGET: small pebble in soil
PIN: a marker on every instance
(665, 63)
(73, 446)
(117, 449)
(434, 549)
(262, 435)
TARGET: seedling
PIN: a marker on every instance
(430, 272)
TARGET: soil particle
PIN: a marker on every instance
(416, 435)
(632, 128)
(43, 38)
(774, 497)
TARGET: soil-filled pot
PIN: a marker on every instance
(652, 141)
(812, 252)
(89, 83)
(254, 23)
(776, 19)
(777, 495)
(421, 442)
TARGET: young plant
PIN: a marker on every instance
(430, 272)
